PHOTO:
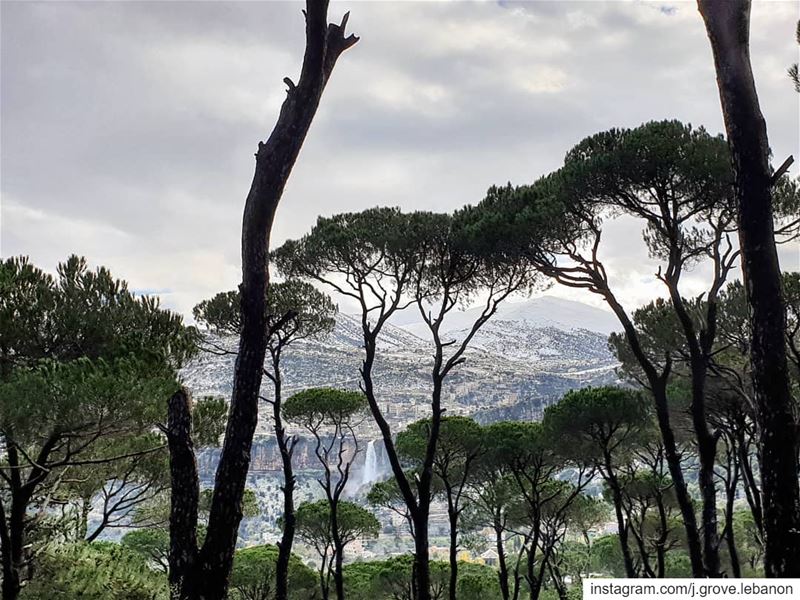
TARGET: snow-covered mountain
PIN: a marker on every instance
(538, 348)
(347, 335)
(524, 359)
(540, 312)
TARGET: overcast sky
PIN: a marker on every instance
(128, 129)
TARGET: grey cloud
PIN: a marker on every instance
(134, 124)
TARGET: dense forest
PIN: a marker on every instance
(687, 467)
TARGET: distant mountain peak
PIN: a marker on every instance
(540, 312)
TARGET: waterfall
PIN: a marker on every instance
(371, 467)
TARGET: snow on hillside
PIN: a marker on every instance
(541, 312)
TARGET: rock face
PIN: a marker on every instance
(521, 361)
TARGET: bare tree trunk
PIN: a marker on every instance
(338, 552)
(501, 558)
(422, 589)
(658, 387)
(184, 497)
(699, 349)
(274, 161)
(622, 526)
(10, 575)
(728, 27)
(12, 535)
(452, 516)
(289, 519)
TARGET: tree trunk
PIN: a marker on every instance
(289, 519)
(622, 527)
(534, 585)
(452, 515)
(728, 27)
(338, 552)
(661, 542)
(730, 537)
(658, 387)
(422, 571)
(707, 453)
(274, 162)
(751, 490)
(13, 538)
(417, 511)
(11, 585)
(501, 559)
(183, 498)
(706, 442)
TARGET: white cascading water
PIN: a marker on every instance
(371, 468)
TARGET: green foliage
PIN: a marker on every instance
(313, 311)
(351, 242)
(99, 571)
(459, 438)
(209, 418)
(517, 445)
(324, 405)
(386, 493)
(151, 543)
(659, 332)
(84, 398)
(477, 582)
(594, 422)
(253, 575)
(586, 513)
(675, 178)
(314, 523)
(606, 556)
(83, 314)
(85, 369)
(220, 313)
(422, 254)
(391, 579)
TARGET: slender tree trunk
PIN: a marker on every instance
(706, 441)
(501, 558)
(558, 581)
(274, 162)
(658, 387)
(452, 515)
(673, 459)
(730, 537)
(751, 490)
(323, 585)
(728, 27)
(417, 509)
(338, 552)
(183, 498)
(21, 491)
(13, 546)
(622, 527)
(662, 538)
(11, 585)
(533, 584)
(421, 557)
(707, 453)
(289, 519)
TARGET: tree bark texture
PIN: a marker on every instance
(728, 27)
(184, 497)
(289, 519)
(274, 162)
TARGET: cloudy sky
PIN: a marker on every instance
(128, 129)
